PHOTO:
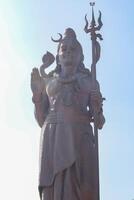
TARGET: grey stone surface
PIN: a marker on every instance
(64, 102)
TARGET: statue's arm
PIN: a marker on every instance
(100, 119)
(96, 104)
(40, 98)
(41, 107)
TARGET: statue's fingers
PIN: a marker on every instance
(35, 74)
(33, 77)
(35, 68)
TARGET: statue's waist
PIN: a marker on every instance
(67, 115)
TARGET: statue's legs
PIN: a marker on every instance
(76, 182)
(66, 186)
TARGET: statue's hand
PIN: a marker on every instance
(37, 83)
(100, 120)
(96, 103)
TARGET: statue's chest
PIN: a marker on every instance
(70, 93)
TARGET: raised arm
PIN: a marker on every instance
(39, 98)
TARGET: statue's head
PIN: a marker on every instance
(69, 51)
(69, 54)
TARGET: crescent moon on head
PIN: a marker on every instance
(59, 40)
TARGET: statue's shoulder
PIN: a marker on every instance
(84, 79)
(51, 81)
(84, 75)
(48, 80)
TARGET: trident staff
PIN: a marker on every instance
(95, 58)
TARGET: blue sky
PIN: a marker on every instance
(25, 31)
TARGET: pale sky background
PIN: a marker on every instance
(25, 30)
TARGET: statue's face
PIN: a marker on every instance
(70, 53)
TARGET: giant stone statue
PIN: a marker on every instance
(64, 103)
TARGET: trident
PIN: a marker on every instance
(95, 58)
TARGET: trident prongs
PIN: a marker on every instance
(100, 24)
(93, 28)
